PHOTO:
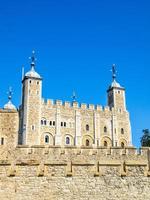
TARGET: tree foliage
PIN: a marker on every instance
(145, 139)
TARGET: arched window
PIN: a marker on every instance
(67, 140)
(105, 129)
(47, 139)
(105, 144)
(87, 127)
(87, 143)
(45, 122)
(122, 145)
(122, 131)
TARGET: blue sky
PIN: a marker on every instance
(76, 42)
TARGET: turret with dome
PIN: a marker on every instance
(116, 93)
(9, 105)
(32, 73)
(31, 98)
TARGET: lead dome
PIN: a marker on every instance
(32, 73)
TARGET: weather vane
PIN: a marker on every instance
(33, 59)
(10, 93)
(114, 72)
(74, 97)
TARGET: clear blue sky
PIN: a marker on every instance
(76, 42)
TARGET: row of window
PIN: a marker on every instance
(52, 123)
(36, 82)
(44, 122)
(87, 142)
(105, 129)
(64, 124)
(106, 144)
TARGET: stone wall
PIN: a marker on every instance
(77, 117)
(45, 173)
(9, 125)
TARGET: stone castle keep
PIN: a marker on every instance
(43, 122)
(54, 150)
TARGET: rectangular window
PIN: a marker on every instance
(64, 124)
(61, 123)
(53, 123)
(2, 141)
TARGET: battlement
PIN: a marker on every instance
(70, 158)
(76, 105)
(29, 172)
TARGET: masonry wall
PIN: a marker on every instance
(46, 173)
(77, 117)
(9, 125)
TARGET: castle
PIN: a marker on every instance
(40, 122)
(66, 151)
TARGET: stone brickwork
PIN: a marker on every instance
(68, 150)
(9, 125)
(77, 117)
(46, 173)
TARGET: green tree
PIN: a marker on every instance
(145, 139)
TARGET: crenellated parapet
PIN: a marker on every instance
(122, 162)
(75, 105)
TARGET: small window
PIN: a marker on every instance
(105, 144)
(119, 92)
(47, 139)
(42, 122)
(2, 141)
(53, 123)
(122, 145)
(67, 140)
(61, 123)
(122, 131)
(30, 81)
(50, 123)
(87, 143)
(45, 122)
(87, 127)
(37, 82)
(64, 124)
(105, 129)
(33, 127)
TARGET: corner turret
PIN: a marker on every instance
(31, 105)
(116, 93)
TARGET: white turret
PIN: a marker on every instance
(9, 105)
